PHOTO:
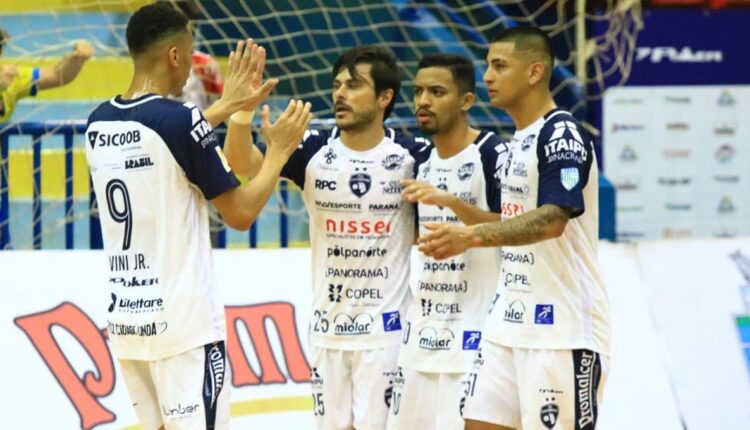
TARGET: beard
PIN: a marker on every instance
(359, 120)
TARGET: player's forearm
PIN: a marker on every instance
(243, 156)
(218, 112)
(470, 214)
(255, 194)
(545, 222)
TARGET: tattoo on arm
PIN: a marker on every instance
(531, 227)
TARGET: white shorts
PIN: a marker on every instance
(352, 388)
(425, 400)
(536, 388)
(188, 391)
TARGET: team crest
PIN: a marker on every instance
(466, 171)
(569, 177)
(548, 414)
(92, 138)
(360, 184)
(527, 142)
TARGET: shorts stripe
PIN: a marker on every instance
(213, 380)
(587, 370)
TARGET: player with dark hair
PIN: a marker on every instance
(361, 232)
(19, 82)
(155, 164)
(455, 184)
(544, 355)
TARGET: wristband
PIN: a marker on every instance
(243, 116)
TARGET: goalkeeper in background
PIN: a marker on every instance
(17, 82)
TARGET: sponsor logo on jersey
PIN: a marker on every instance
(569, 177)
(724, 153)
(467, 197)
(363, 293)
(137, 163)
(561, 148)
(519, 169)
(517, 257)
(100, 139)
(471, 340)
(360, 184)
(391, 321)
(136, 306)
(346, 253)
(628, 101)
(725, 232)
(478, 359)
(338, 206)
(363, 227)
(435, 339)
(215, 373)
(435, 266)
(515, 278)
(466, 171)
(334, 292)
(393, 161)
(321, 184)
(133, 282)
(143, 330)
(626, 235)
(631, 209)
(549, 411)
(357, 273)
(627, 184)
(527, 142)
(439, 308)
(384, 207)
(676, 233)
(200, 131)
(391, 187)
(673, 54)
(329, 156)
(544, 314)
(426, 307)
(444, 287)
(515, 311)
(347, 325)
(443, 186)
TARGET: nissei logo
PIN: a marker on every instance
(346, 325)
(678, 55)
(514, 312)
(560, 148)
(358, 227)
(321, 184)
(471, 340)
(391, 321)
(136, 163)
(434, 339)
(100, 139)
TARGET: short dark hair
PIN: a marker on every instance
(529, 40)
(151, 24)
(187, 7)
(384, 72)
(461, 68)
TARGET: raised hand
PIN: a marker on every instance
(83, 50)
(423, 192)
(244, 88)
(283, 136)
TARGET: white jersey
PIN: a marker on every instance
(445, 319)
(552, 295)
(154, 163)
(361, 232)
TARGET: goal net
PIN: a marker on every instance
(44, 192)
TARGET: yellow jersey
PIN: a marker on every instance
(24, 85)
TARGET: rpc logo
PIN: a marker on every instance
(321, 184)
